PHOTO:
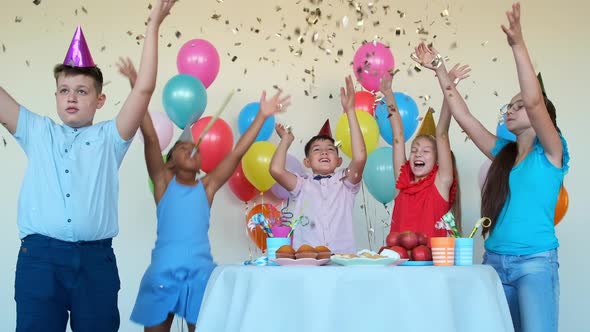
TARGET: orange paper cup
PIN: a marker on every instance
(443, 251)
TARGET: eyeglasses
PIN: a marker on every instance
(514, 107)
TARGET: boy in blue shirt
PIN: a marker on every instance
(67, 209)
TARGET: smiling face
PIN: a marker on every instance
(322, 156)
(77, 99)
(180, 158)
(423, 156)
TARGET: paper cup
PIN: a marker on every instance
(274, 243)
(280, 231)
(443, 251)
(463, 251)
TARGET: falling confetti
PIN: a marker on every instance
(84, 10)
(178, 34)
(444, 13)
(18, 19)
(3, 48)
(215, 17)
(27, 63)
(4, 141)
(494, 59)
(36, 2)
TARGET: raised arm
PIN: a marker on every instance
(482, 138)
(135, 106)
(530, 89)
(214, 180)
(359, 150)
(445, 175)
(8, 111)
(151, 146)
(277, 164)
(395, 120)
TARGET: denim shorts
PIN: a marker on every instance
(56, 280)
(531, 285)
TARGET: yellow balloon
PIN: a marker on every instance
(256, 165)
(369, 129)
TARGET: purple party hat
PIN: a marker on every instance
(78, 54)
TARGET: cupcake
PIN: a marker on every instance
(285, 251)
(306, 251)
(323, 252)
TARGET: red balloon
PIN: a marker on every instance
(365, 101)
(240, 186)
(215, 144)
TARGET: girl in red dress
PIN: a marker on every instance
(427, 181)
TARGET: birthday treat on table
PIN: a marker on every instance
(306, 255)
(368, 258)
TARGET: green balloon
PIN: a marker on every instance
(150, 183)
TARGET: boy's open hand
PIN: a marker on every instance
(284, 132)
(385, 83)
(127, 69)
(347, 96)
(274, 105)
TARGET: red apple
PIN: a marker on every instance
(392, 239)
(421, 253)
(403, 253)
(422, 239)
(408, 240)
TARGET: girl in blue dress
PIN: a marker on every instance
(175, 281)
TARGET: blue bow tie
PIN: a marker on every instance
(319, 177)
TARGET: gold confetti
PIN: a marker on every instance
(103, 48)
(36, 2)
(4, 141)
(178, 34)
(484, 43)
(496, 93)
(259, 20)
(18, 19)
(453, 45)
(3, 48)
(129, 33)
(117, 103)
(150, 6)
(234, 58)
(27, 63)
(401, 14)
(345, 21)
(399, 31)
(444, 13)
(84, 10)
(417, 69)
(494, 59)
(169, 45)
(215, 17)
(278, 9)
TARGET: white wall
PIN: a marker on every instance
(557, 36)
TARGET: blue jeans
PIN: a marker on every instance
(531, 285)
(56, 279)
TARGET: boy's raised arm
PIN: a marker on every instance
(8, 111)
(135, 106)
(278, 171)
(359, 150)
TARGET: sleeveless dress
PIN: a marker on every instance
(419, 205)
(181, 262)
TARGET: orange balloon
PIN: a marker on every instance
(257, 234)
(561, 206)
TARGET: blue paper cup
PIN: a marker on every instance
(463, 251)
(274, 243)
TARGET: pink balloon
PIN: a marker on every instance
(199, 58)
(372, 61)
(483, 172)
(164, 129)
(293, 165)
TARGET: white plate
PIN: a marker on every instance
(364, 261)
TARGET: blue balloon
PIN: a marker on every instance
(378, 174)
(184, 99)
(408, 110)
(246, 117)
(503, 132)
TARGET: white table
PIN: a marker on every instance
(337, 298)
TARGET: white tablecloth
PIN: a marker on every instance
(354, 298)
